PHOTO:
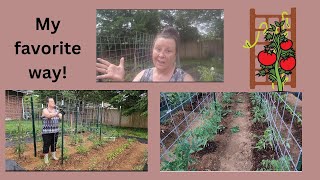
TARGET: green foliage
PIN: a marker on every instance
(59, 143)
(76, 139)
(275, 35)
(81, 149)
(131, 101)
(235, 129)
(298, 115)
(19, 140)
(257, 112)
(198, 139)
(265, 140)
(238, 114)
(226, 97)
(127, 22)
(225, 112)
(66, 154)
(112, 155)
(26, 125)
(206, 73)
(125, 131)
(182, 158)
(282, 164)
(176, 98)
(239, 100)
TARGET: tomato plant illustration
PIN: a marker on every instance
(278, 58)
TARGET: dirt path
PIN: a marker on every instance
(232, 151)
(131, 158)
(238, 153)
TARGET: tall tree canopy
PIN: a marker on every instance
(191, 24)
(130, 101)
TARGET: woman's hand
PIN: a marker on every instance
(110, 71)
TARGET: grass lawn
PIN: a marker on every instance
(191, 66)
(12, 128)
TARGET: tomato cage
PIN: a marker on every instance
(136, 48)
(230, 131)
(89, 123)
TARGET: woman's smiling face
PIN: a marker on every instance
(164, 53)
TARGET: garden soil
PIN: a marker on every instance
(133, 158)
(233, 151)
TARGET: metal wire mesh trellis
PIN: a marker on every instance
(180, 112)
(190, 120)
(284, 116)
(79, 117)
(136, 51)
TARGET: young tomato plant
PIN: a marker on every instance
(278, 58)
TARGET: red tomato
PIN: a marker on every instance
(267, 59)
(286, 45)
(288, 64)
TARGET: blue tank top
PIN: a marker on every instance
(177, 76)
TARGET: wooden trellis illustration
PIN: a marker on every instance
(254, 52)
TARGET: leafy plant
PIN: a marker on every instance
(238, 114)
(258, 114)
(235, 129)
(66, 154)
(197, 141)
(277, 60)
(76, 139)
(291, 111)
(81, 149)
(112, 155)
(19, 140)
(226, 97)
(181, 158)
(282, 164)
(239, 100)
(265, 140)
(225, 112)
(206, 73)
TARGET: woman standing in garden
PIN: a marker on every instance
(164, 55)
(50, 129)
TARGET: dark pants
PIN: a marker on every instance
(50, 140)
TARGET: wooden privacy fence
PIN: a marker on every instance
(109, 116)
(201, 49)
(253, 51)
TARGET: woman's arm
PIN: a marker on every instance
(49, 115)
(187, 78)
(138, 76)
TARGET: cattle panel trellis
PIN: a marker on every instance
(135, 49)
(183, 111)
(284, 116)
(181, 115)
(253, 51)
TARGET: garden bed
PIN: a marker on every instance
(121, 154)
